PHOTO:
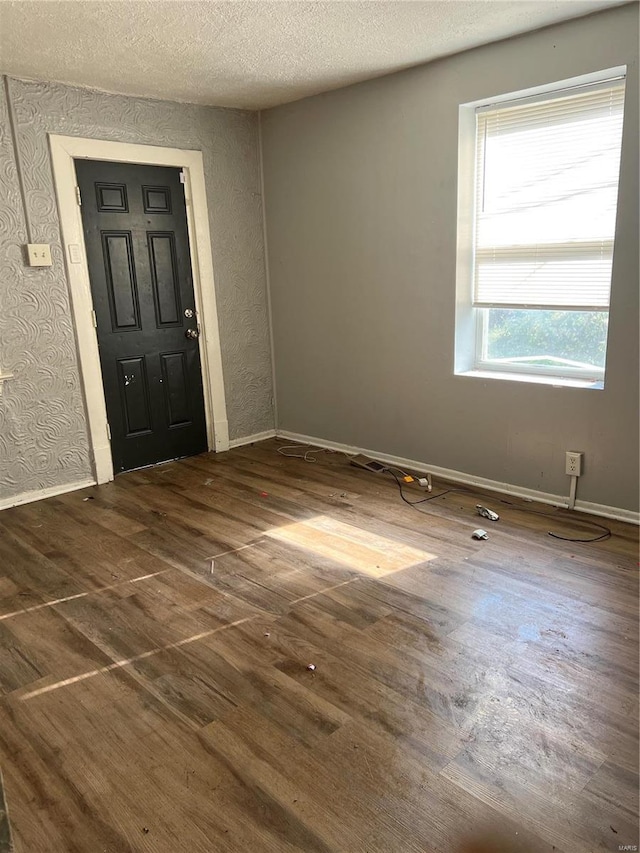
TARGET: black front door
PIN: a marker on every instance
(135, 228)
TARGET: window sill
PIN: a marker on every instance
(538, 379)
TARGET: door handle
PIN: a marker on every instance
(192, 334)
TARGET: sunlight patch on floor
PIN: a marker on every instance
(358, 549)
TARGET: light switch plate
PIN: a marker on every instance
(39, 254)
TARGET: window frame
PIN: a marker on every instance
(470, 321)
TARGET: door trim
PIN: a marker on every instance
(64, 149)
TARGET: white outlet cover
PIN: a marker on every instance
(39, 254)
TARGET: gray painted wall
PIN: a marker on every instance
(360, 188)
(43, 433)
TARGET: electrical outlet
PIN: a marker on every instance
(573, 463)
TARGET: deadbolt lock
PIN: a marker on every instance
(188, 312)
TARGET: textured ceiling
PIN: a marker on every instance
(251, 54)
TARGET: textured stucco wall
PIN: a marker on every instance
(43, 433)
(361, 196)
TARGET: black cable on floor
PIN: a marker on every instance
(606, 535)
(422, 500)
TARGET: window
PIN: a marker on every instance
(536, 248)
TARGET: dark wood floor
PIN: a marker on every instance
(467, 696)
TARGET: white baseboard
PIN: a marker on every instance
(419, 467)
(469, 479)
(608, 511)
(220, 436)
(41, 494)
(250, 439)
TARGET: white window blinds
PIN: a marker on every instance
(546, 193)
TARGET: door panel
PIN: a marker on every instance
(135, 395)
(120, 274)
(156, 199)
(176, 388)
(164, 275)
(135, 227)
(111, 198)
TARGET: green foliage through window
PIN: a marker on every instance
(546, 338)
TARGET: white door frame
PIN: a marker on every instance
(64, 149)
